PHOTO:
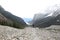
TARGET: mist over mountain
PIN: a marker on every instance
(39, 16)
(40, 20)
(46, 20)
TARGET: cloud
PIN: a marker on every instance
(27, 8)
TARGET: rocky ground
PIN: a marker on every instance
(29, 33)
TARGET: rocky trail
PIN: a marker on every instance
(29, 33)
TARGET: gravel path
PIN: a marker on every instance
(29, 33)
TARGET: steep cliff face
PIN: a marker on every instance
(5, 21)
(46, 21)
(39, 16)
(2, 18)
(7, 17)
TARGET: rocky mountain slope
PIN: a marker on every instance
(45, 20)
(29, 33)
(39, 16)
(10, 20)
(5, 21)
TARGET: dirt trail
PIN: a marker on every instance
(29, 33)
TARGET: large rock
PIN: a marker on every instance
(16, 21)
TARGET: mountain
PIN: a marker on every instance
(45, 21)
(39, 16)
(27, 19)
(16, 21)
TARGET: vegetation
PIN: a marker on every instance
(11, 24)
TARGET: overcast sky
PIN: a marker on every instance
(27, 8)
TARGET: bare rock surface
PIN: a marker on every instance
(29, 33)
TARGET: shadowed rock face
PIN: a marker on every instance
(8, 17)
(5, 21)
(46, 21)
